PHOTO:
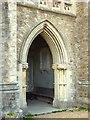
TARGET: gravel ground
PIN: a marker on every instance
(75, 114)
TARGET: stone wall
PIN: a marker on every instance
(81, 38)
(73, 30)
(10, 93)
(1, 60)
(29, 17)
(89, 51)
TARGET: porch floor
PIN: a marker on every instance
(40, 107)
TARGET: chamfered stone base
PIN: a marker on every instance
(63, 104)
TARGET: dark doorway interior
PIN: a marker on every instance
(40, 77)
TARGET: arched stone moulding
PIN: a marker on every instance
(53, 39)
(60, 62)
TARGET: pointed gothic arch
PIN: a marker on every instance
(60, 61)
(53, 39)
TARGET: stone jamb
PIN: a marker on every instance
(22, 84)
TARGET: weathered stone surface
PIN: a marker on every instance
(17, 21)
(8, 86)
(1, 60)
(74, 33)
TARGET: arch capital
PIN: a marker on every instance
(24, 65)
(54, 66)
(61, 66)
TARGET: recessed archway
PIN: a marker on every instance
(40, 75)
(59, 56)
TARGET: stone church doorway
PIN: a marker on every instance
(40, 75)
(44, 66)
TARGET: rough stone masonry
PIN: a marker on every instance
(17, 21)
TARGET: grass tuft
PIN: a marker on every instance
(28, 117)
(83, 108)
(11, 115)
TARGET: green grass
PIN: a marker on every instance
(89, 109)
(84, 108)
(11, 115)
(28, 117)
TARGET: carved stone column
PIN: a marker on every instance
(24, 69)
(56, 86)
(59, 86)
(62, 86)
